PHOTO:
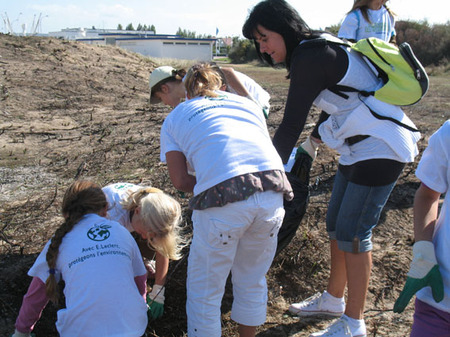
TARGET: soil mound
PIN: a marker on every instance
(70, 110)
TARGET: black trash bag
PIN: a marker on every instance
(296, 208)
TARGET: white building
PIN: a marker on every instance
(146, 43)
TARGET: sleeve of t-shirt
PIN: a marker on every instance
(349, 27)
(434, 165)
(40, 267)
(137, 261)
(141, 284)
(167, 142)
(254, 89)
(394, 32)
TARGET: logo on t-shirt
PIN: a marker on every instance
(99, 233)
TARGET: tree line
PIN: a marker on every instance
(180, 32)
(149, 28)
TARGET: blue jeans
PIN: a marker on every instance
(353, 211)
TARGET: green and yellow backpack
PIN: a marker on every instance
(405, 79)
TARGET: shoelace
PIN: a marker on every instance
(338, 326)
(317, 298)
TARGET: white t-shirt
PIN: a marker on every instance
(115, 193)
(221, 138)
(255, 90)
(434, 172)
(98, 260)
(355, 27)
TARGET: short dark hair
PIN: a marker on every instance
(280, 17)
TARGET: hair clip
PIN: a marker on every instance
(52, 271)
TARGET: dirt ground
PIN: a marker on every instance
(70, 110)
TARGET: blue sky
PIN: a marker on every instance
(200, 16)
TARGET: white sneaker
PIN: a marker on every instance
(316, 305)
(340, 328)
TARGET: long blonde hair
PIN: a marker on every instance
(161, 216)
(203, 79)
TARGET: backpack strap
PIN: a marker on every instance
(341, 89)
(376, 115)
(323, 40)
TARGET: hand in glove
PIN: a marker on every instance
(304, 157)
(309, 146)
(22, 334)
(155, 302)
(424, 272)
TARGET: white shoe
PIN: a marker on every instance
(340, 328)
(316, 305)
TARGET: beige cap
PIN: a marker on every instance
(159, 74)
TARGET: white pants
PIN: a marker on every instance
(240, 237)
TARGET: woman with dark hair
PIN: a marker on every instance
(372, 151)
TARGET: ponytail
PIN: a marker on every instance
(202, 80)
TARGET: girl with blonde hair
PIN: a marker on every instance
(166, 86)
(369, 18)
(100, 264)
(237, 205)
(155, 217)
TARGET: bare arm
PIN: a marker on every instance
(178, 172)
(233, 81)
(162, 266)
(426, 202)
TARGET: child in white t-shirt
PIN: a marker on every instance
(368, 18)
(237, 205)
(155, 217)
(429, 275)
(101, 266)
(166, 85)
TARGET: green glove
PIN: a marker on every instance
(155, 302)
(424, 272)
